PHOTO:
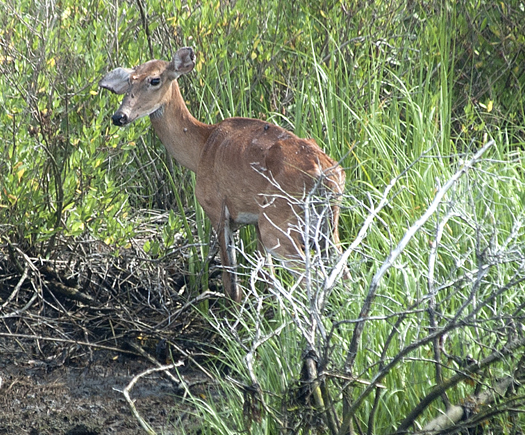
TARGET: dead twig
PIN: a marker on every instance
(467, 373)
(64, 340)
(127, 390)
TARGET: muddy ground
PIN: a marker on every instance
(84, 398)
(75, 329)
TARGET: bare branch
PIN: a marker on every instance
(495, 356)
(456, 413)
(128, 388)
(352, 352)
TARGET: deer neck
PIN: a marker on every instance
(182, 135)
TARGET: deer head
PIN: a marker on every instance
(147, 87)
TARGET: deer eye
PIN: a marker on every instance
(155, 82)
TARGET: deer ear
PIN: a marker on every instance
(116, 81)
(183, 62)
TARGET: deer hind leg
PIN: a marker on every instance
(283, 235)
(335, 237)
(279, 237)
(324, 222)
(228, 257)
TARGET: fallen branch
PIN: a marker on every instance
(126, 391)
(66, 290)
(66, 341)
(457, 413)
(436, 392)
(17, 288)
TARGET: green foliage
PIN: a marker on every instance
(364, 92)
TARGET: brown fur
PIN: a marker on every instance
(243, 166)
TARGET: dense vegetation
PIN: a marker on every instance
(403, 94)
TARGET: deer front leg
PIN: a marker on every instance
(228, 257)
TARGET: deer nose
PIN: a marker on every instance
(120, 119)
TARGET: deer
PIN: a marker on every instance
(247, 170)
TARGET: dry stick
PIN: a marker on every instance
(438, 390)
(440, 194)
(146, 28)
(341, 263)
(208, 294)
(17, 288)
(386, 345)
(29, 265)
(319, 387)
(432, 291)
(299, 311)
(64, 340)
(192, 359)
(147, 356)
(17, 313)
(126, 391)
(456, 413)
(249, 358)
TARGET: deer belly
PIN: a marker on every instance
(244, 218)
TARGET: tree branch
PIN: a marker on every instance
(438, 390)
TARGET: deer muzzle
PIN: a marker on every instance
(119, 119)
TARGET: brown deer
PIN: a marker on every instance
(247, 170)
